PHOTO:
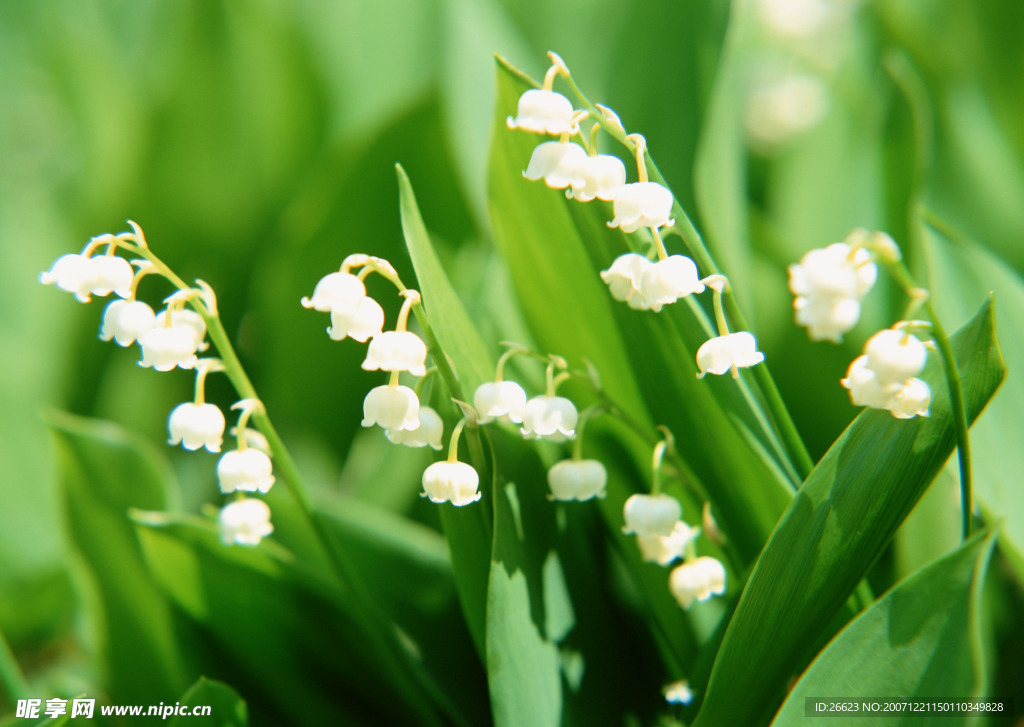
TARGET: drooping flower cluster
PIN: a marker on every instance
(167, 340)
(394, 407)
(586, 175)
(885, 376)
(829, 284)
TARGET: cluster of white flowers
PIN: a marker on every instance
(663, 538)
(633, 278)
(828, 285)
(167, 340)
(885, 376)
(393, 407)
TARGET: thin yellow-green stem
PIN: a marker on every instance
(376, 627)
(12, 681)
(786, 428)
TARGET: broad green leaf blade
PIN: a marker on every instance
(920, 641)
(227, 708)
(555, 249)
(105, 471)
(248, 600)
(468, 529)
(838, 523)
(962, 271)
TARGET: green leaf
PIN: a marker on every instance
(835, 528)
(247, 601)
(961, 271)
(468, 530)
(555, 249)
(920, 641)
(105, 471)
(227, 709)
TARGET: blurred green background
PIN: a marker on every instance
(254, 142)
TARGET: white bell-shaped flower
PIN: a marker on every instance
(248, 470)
(865, 388)
(668, 280)
(73, 273)
(244, 522)
(559, 164)
(642, 204)
(164, 348)
(697, 580)
(397, 351)
(362, 325)
(186, 318)
(826, 318)
(427, 434)
(126, 320)
(728, 353)
(112, 274)
(391, 407)
(454, 482)
(836, 271)
(651, 514)
(196, 425)
(663, 549)
(678, 692)
(895, 356)
(624, 279)
(912, 400)
(603, 175)
(577, 479)
(500, 401)
(341, 292)
(549, 417)
(544, 112)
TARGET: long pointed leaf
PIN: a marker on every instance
(837, 525)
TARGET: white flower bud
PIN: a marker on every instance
(397, 351)
(392, 407)
(189, 319)
(244, 522)
(678, 692)
(544, 112)
(642, 204)
(651, 514)
(697, 580)
(895, 356)
(663, 549)
(248, 470)
(72, 273)
(833, 272)
(603, 175)
(126, 320)
(454, 482)
(580, 480)
(164, 348)
(624, 279)
(196, 425)
(427, 434)
(825, 318)
(549, 417)
(865, 388)
(112, 274)
(559, 165)
(668, 280)
(912, 400)
(500, 401)
(339, 292)
(729, 352)
(365, 323)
